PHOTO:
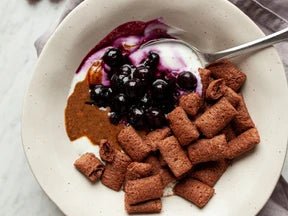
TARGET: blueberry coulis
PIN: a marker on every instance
(138, 86)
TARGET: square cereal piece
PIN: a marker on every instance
(215, 90)
(136, 170)
(242, 143)
(133, 144)
(229, 72)
(153, 206)
(242, 120)
(216, 118)
(155, 163)
(106, 151)
(229, 133)
(163, 163)
(166, 176)
(210, 172)
(153, 137)
(194, 191)
(144, 189)
(205, 75)
(114, 174)
(175, 156)
(185, 131)
(191, 103)
(204, 150)
(90, 166)
(232, 96)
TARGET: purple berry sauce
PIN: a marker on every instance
(140, 85)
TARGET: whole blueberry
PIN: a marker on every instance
(176, 95)
(152, 60)
(114, 118)
(126, 69)
(110, 72)
(113, 57)
(118, 82)
(187, 81)
(120, 103)
(101, 95)
(95, 92)
(134, 88)
(160, 89)
(146, 101)
(143, 73)
(136, 117)
(107, 94)
(155, 118)
(167, 105)
(171, 81)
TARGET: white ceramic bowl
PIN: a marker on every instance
(243, 189)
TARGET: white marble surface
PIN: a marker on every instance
(20, 24)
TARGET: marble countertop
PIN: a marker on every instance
(20, 25)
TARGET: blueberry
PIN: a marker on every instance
(187, 80)
(145, 101)
(111, 72)
(126, 69)
(143, 73)
(160, 89)
(95, 92)
(134, 88)
(166, 106)
(114, 81)
(136, 117)
(171, 80)
(101, 95)
(113, 57)
(114, 118)
(152, 60)
(176, 95)
(120, 103)
(106, 94)
(155, 118)
(118, 82)
(154, 57)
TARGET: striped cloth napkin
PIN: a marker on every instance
(270, 17)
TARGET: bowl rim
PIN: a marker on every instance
(64, 22)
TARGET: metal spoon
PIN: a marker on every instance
(208, 58)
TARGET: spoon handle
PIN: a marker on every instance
(248, 47)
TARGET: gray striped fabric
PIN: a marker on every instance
(270, 16)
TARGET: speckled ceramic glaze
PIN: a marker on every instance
(243, 189)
